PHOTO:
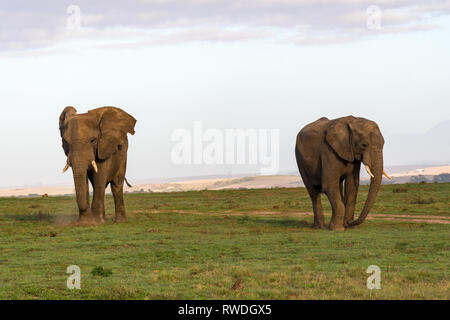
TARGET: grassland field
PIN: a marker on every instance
(230, 244)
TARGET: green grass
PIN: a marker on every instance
(196, 245)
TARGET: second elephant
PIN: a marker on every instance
(96, 146)
(329, 155)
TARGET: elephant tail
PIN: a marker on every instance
(128, 184)
(297, 155)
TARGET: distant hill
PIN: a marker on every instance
(414, 175)
(431, 148)
(441, 131)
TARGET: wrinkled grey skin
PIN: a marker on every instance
(329, 155)
(99, 135)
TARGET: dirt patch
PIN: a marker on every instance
(63, 220)
(71, 220)
(410, 216)
(376, 216)
(438, 221)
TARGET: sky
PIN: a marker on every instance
(264, 66)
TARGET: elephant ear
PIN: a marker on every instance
(67, 113)
(114, 126)
(338, 136)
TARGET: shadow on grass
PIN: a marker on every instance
(285, 223)
(39, 216)
(58, 219)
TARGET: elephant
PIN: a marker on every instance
(96, 146)
(329, 155)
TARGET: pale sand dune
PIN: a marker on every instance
(220, 184)
(256, 182)
(51, 191)
(210, 184)
(431, 171)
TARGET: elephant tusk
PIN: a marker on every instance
(369, 172)
(386, 175)
(67, 166)
(94, 165)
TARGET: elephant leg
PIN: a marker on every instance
(98, 202)
(350, 195)
(314, 194)
(334, 195)
(117, 191)
(319, 219)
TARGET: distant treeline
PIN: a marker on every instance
(441, 178)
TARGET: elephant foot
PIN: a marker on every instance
(318, 226)
(90, 219)
(336, 227)
(121, 218)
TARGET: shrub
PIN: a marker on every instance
(101, 271)
(422, 200)
(399, 190)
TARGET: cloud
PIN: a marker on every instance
(26, 25)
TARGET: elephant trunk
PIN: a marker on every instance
(81, 187)
(376, 167)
